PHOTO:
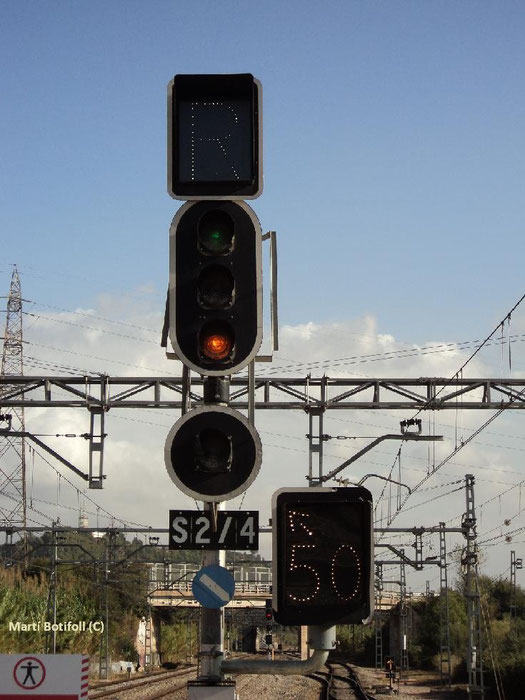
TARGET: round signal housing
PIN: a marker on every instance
(216, 285)
(213, 453)
(215, 232)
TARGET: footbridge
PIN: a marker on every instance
(179, 595)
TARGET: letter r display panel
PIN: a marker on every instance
(214, 136)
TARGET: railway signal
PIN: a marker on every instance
(213, 453)
(323, 555)
(215, 291)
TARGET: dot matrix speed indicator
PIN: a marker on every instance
(215, 137)
(323, 549)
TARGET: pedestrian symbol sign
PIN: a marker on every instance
(29, 673)
(44, 676)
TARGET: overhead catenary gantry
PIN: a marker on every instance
(104, 392)
(314, 395)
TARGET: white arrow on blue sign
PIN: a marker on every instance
(213, 586)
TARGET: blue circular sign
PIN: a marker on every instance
(213, 586)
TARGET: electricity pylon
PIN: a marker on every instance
(12, 449)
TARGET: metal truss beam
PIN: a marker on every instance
(164, 531)
(102, 393)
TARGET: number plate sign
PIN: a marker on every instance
(193, 529)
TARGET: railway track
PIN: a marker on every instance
(336, 681)
(340, 682)
(101, 684)
(168, 682)
(137, 687)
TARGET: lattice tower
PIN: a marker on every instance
(12, 449)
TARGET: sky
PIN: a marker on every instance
(394, 171)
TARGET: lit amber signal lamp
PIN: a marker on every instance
(216, 344)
